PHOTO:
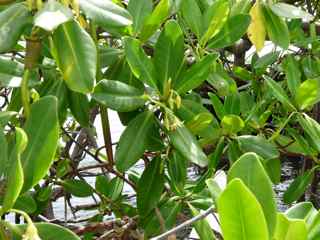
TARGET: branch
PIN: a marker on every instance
(185, 224)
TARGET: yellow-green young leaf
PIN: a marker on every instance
(14, 181)
(214, 19)
(234, 28)
(13, 21)
(188, 146)
(288, 229)
(277, 28)
(118, 96)
(76, 56)
(154, 21)
(150, 187)
(241, 215)
(232, 123)
(251, 171)
(200, 122)
(308, 93)
(134, 140)
(48, 231)
(256, 30)
(202, 226)
(105, 13)
(42, 128)
(169, 53)
(140, 64)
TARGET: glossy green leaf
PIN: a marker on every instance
(148, 195)
(217, 105)
(118, 96)
(293, 74)
(196, 75)
(312, 128)
(234, 28)
(169, 53)
(154, 21)
(202, 226)
(232, 124)
(140, 10)
(78, 188)
(188, 146)
(214, 18)
(140, 64)
(288, 229)
(298, 187)
(213, 188)
(76, 56)
(177, 169)
(52, 15)
(279, 93)
(133, 141)
(259, 145)
(42, 128)
(105, 13)
(302, 210)
(192, 15)
(15, 174)
(308, 93)
(200, 122)
(239, 211)
(49, 231)
(286, 10)
(80, 107)
(13, 21)
(251, 171)
(277, 28)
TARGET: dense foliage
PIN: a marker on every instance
(220, 86)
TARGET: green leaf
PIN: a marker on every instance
(187, 145)
(78, 188)
(111, 189)
(192, 15)
(312, 128)
(303, 210)
(251, 171)
(26, 203)
(15, 174)
(214, 19)
(232, 124)
(217, 105)
(288, 229)
(232, 104)
(140, 64)
(118, 96)
(154, 21)
(42, 128)
(49, 231)
(134, 140)
(234, 28)
(13, 21)
(277, 28)
(148, 195)
(140, 10)
(76, 56)
(5, 117)
(265, 61)
(202, 226)
(200, 122)
(52, 15)
(259, 145)
(298, 187)
(80, 107)
(105, 13)
(177, 169)
(3, 152)
(169, 53)
(308, 93)
(239, 211)
(196, 75)
(293, 73)
(290, 11)
(279, 93)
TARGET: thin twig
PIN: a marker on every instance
(185, 224)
